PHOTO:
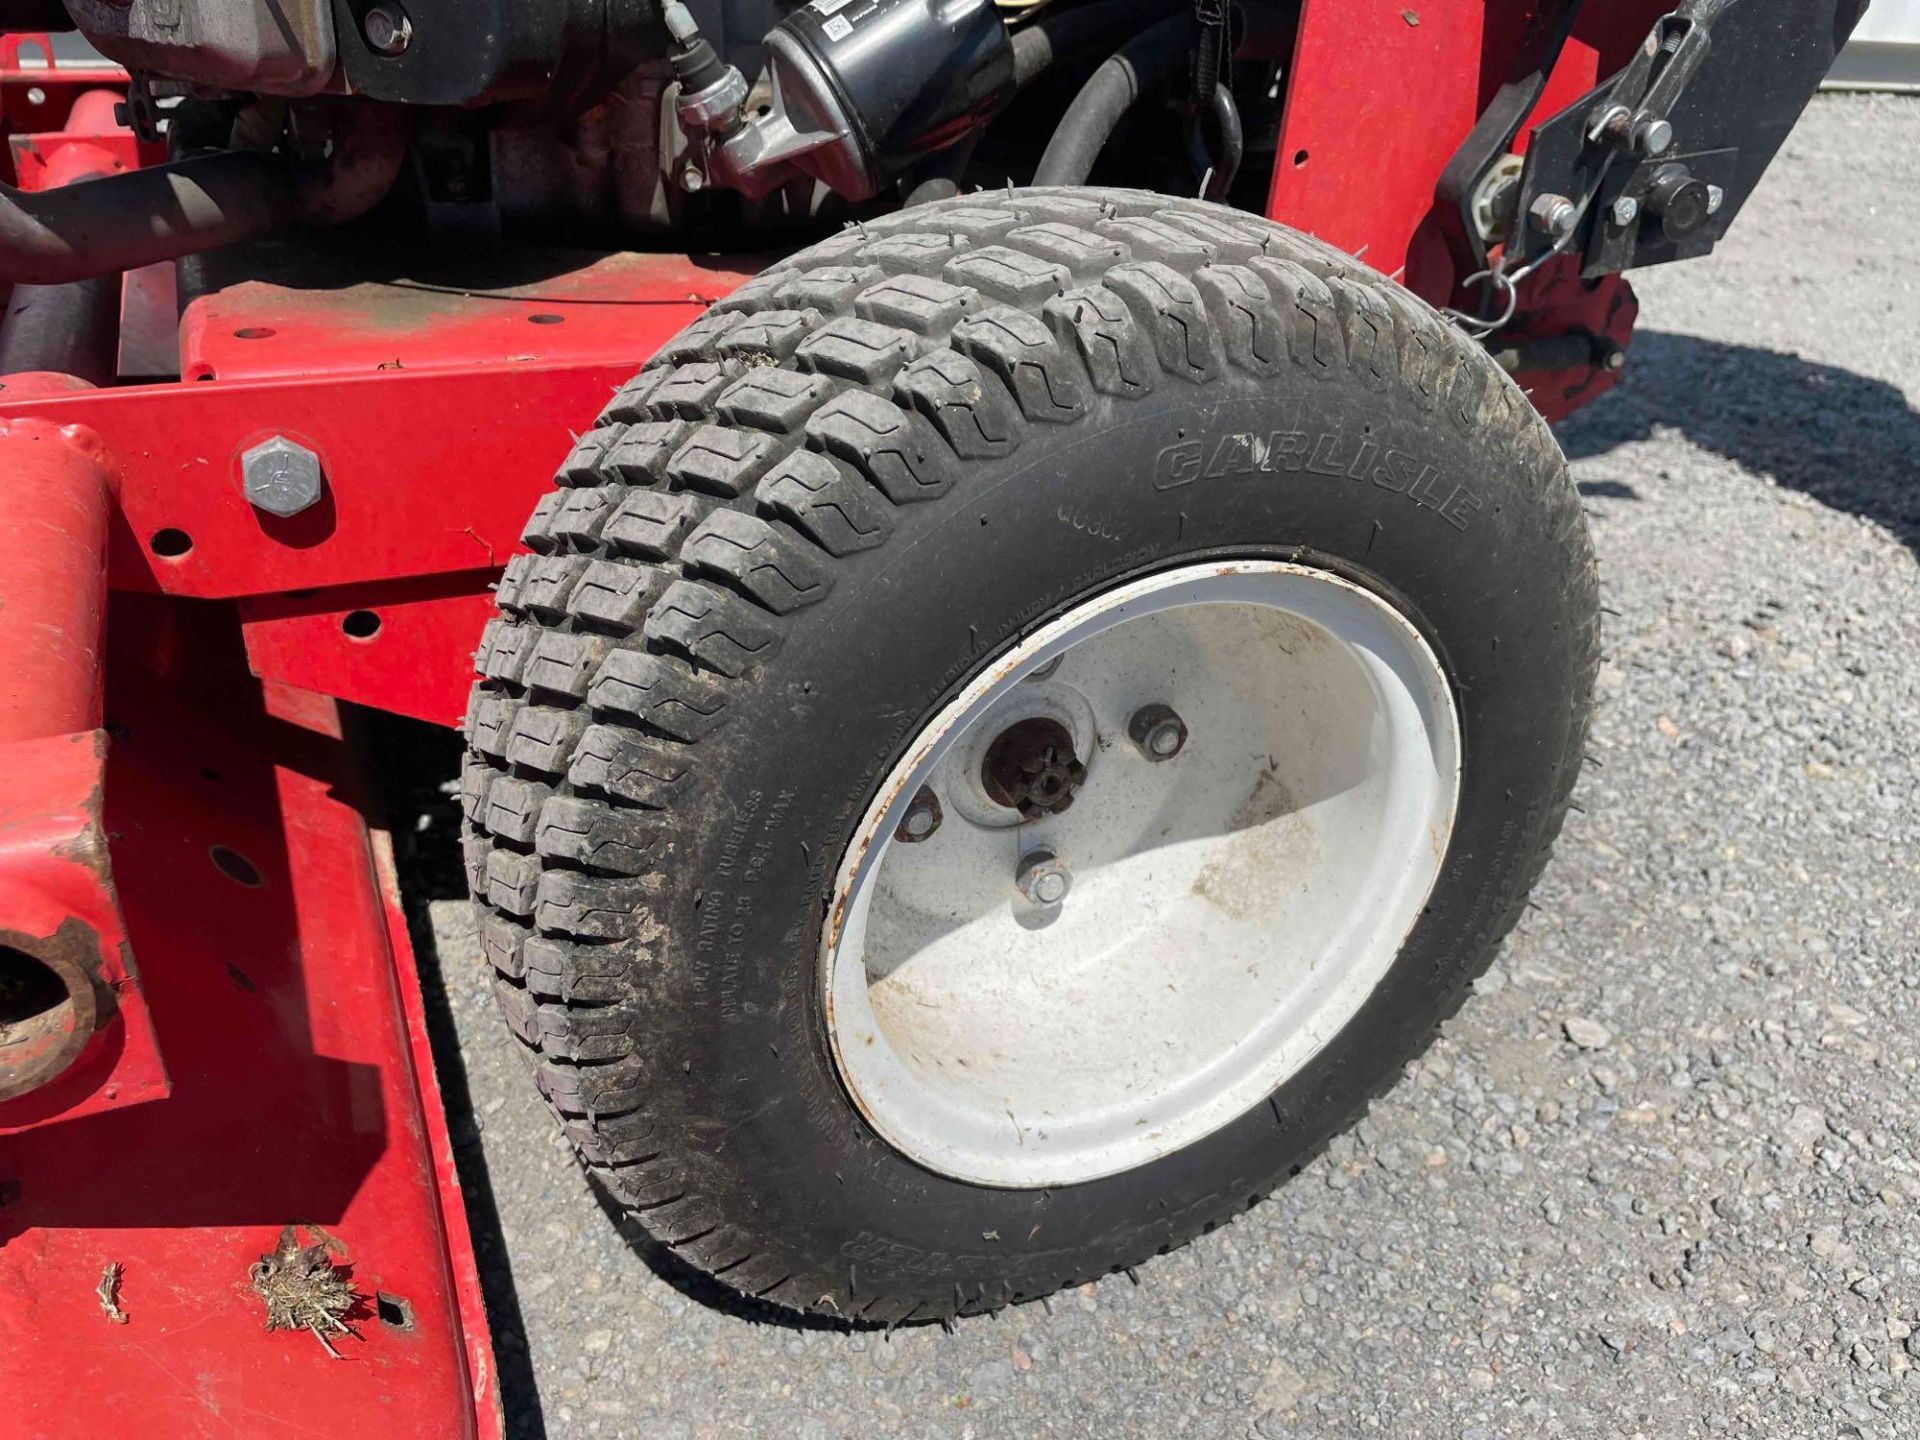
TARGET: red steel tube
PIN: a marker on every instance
(55, 483)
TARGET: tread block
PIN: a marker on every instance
(490, 720)
(721, 461)
(1312, 326)
(586, 1036)
(592, 907)
(506, 593)
(837, 511)
(1022, 351)
(582, 512)
(588, 832)
(883, 444)
(1151, 238)
(519, 1009)
(1169, 307)
(1233, 242)
(610, 1137)
(538, 536)
(976, 222)
(590, 974)
(828, 288)
(504, 650)
(1241, 310)
(1426, 358)
(476, 779)
(642, 454)
(1373, 341)
(1085, 253)
(972, 416)
(652, 523)
(711, 627)
(582, 465)
(657, 691)
(768, 336)
(502, 941)
(760, 561)
(541, 738)
(754, 294)
(614, 596)
(563, 664)
(513, 808)
(475, 850)
(778, 401)
(513, 881)
(699, 342)
(1101, 329)
(688, 391)
(857, 350)
(916, 302)
(918, 252)
(629, 402)
(547, 582)
(591, 1090)
(1003, 273)
(621, 764)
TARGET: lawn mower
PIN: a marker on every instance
(1020, 630)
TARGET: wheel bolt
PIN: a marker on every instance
(1043, 878)
(387, 28)
(1157, 732)
(921, 820)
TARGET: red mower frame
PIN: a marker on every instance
(186, 840)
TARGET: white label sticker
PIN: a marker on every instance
(829, 7)
(838, 28)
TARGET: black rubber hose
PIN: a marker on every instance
(121, 222)
(1139, 65)
(1233, 143)
(1055, 35)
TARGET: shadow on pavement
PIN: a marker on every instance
(1846, 440)
(411, 762)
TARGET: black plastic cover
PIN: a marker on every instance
(913, 76)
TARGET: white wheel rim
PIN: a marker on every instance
(1230, 908)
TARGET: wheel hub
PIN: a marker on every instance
(1244, 773)
(1031, 768)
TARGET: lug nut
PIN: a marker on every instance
(1157, 732)
(921, 820)
(281, 476)
(387, 28)
(1043, 878)
(1554, 216)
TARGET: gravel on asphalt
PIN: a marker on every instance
(1661, 1177)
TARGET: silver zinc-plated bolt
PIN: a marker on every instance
(281, 476)
(921, 820)
(1044, 878)
(691, 180)
(1652, 136)
(1554, 215)
(387, 28)
(1157, 732)
(1625, 211)
(1716, 197)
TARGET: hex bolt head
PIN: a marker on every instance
(1625, 211)
(281, 476)
(921, 820)
(1554, 215)
(1716, 197)
(387, 28)
(1043, 878)
(1157, 733)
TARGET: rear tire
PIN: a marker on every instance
(809, 524)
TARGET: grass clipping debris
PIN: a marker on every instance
(303, 1288)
